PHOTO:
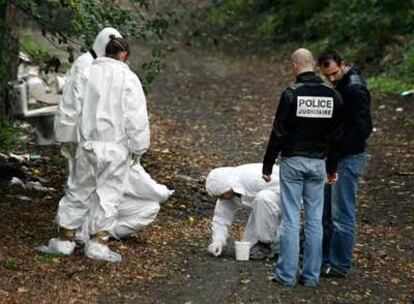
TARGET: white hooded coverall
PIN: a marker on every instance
(64, 125)
(262, 197)
(111, 122)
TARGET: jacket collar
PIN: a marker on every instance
(308, 77)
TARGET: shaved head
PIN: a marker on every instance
(303, 61)
(303, 57)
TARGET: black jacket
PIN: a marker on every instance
(356, 114)
(306, 122)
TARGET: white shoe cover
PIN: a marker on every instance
(97, 251)
(58, 247)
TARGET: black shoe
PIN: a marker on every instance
(330, 272)
(261, 251)
(275, 279)
(310, 284)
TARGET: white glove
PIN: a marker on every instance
(215, 249)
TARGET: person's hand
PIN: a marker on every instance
(215, 249)
(267, 178)
(332, 178)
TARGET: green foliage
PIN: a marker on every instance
(13, 263)
(399, 77)
(67, 21)
(47, 259)
(73, 24)
(364, 28)
(8, 136)
(405, 69)
(150, 70)
(39, 52)
(387, 84)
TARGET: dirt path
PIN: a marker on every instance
(218, 109)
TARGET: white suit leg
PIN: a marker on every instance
(133, 216)
(264, 220)
(141, 202)
(112, 167)
(68, 150)
(74, 206)
(222, 220)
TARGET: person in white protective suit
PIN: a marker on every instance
(138, 208)
(243, 186)
(111, 122)
(64, 125)
(66, 132)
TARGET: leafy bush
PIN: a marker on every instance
(8, 136)
(404, 70)
(387, 84)
(364, 28)
(73, 24)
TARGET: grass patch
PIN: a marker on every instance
(13, 263)
(47, 259)
(388, 85)
(8, 136)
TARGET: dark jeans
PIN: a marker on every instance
(339, 216)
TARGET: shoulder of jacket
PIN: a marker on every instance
(295, 86)
(288, 94)
(298, 85)
(85, 58)
(356, 80)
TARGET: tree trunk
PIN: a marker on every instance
(9, 52)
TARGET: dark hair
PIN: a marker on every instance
(115, 46)
(326, 57)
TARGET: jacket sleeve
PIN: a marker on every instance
(334, 135)
(136, 117)
(279, 132)
(66, 115)
(361, 117)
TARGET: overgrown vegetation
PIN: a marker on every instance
(71, 26)
(370, 33)
(8, 136)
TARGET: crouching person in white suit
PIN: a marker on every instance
(243, 186)
(140, 204)
(138, 208)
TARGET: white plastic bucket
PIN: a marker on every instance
(242, 250)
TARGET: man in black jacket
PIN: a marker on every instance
(340, 199)
(306, 120)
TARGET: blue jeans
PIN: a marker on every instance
(301, 178)
(339, 216)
